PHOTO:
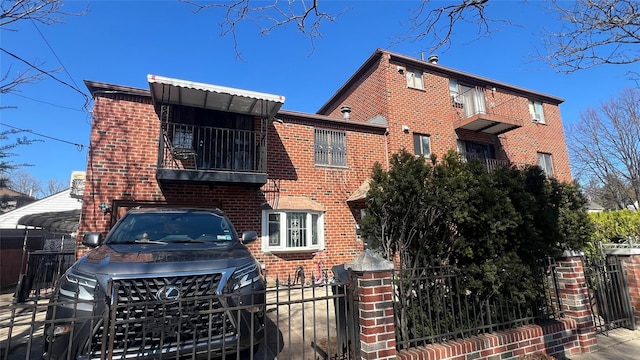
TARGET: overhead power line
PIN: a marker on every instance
(49, 103)
(86, 98)
(79, 146)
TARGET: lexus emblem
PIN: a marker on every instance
(168, 293)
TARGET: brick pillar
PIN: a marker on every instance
(631, 264)
(375, 306)
(574, 294)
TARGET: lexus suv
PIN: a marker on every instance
(163, 283)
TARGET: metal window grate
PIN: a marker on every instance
(330, 147)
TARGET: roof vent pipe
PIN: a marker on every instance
(433, 59)
(346, 112)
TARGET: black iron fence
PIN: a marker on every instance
(209, 148)
(43, 268)
(433, 305)
(139, 318)
(608, 293)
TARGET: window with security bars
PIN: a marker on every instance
(293, 230)
(330, 147)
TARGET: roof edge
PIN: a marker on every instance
(318, 117)
(435, 68)
(97, 88)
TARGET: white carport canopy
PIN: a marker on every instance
(193, 94)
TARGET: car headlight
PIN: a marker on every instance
(245, 275)
(77, 285)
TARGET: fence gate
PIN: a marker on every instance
(608, 293)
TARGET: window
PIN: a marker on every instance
(421, 145)
(544, 161)
(455, 93)
(467, 97)
(330, 147)
(414, 79)
(535, 109)
(293, 230)
(182, 137)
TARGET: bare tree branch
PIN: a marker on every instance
(43, 11)
(305, 15)
(9, 84)
(594, 32)
(439, 22)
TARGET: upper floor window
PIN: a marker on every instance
(535, 109)
(422, 145)
(292, 230)
(330, 147)
(414, 79)
(455, 93)
(544, 161)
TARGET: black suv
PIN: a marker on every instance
(163, 283)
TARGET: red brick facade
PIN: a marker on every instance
(125, 137)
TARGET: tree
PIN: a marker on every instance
(593, 32)
(605, 148)
(45, 12)
(469, 233)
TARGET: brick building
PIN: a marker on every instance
(299, 179)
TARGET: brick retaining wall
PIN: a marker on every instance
(557, 339)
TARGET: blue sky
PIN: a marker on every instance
(120, 42)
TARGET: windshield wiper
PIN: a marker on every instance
(188, 241)
(147, 241)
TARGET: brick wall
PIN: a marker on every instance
(124, 155)
(429, 111)
(557, 339)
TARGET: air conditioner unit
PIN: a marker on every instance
(456, 100)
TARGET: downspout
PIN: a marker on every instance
(386, 148)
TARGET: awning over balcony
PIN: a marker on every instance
(188, 93)
(488, 123)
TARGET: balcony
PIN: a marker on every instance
(473, 114)
(489, 164)
(190, 150)
(210, 154)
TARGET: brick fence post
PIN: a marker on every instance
(373, 282)
(574, 294)
(631, 265)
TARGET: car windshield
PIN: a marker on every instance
(160, 228)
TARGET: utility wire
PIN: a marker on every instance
(48, 103)
(52, 51)
(79, 146)
(86, 98)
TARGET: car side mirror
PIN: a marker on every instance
(92, 239)
(249, 236)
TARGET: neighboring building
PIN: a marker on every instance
(11, 199)
(299, 179)
(46, 224)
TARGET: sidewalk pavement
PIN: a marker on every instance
(618, 344)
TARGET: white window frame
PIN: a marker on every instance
(537, 112)
(414, 79)
(282, 245)
(545, 161)
(330, 147)
(421, 138)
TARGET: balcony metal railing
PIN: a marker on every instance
(477, 109)
(490, 164)
(206, 148)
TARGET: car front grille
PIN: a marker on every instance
(143, 322)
